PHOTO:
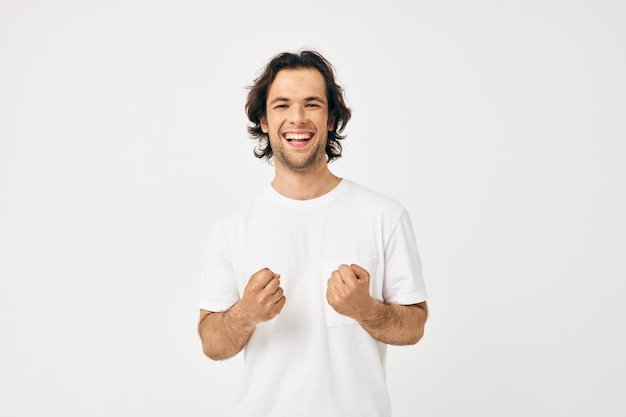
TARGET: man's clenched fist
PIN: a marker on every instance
(263, 297)
(348, 291)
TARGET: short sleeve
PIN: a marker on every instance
(403, 282)
(218, 289)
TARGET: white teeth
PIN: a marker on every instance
(297, 136)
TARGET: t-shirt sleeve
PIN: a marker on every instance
(404, 282)
(218, 289)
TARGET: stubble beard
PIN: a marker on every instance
(312, 161)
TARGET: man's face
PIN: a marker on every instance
(296, 120)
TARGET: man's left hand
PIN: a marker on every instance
(348, 291)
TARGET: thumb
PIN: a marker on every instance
(361, 273)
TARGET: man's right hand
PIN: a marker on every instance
(263, 297)
(224, 334)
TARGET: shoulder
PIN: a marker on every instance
(374, 199)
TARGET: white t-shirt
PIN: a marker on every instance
(310, 361)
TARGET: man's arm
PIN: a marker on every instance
(395, 324)
(224, 334)
(348, 293)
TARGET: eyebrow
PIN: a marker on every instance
(277, 99)
(315, 98)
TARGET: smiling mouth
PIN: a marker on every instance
(298, 137)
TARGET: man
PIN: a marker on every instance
(315, 275)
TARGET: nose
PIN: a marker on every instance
(296, 114)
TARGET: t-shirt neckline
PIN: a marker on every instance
(313, 202)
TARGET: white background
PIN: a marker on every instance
(499, 125)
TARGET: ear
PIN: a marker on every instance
(264, 126)
(331, 123)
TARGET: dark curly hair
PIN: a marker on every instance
(257, 99)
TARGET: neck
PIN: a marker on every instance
(304, 186)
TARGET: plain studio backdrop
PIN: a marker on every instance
(500, 125)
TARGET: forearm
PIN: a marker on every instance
(395, 324)
(224, 334)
